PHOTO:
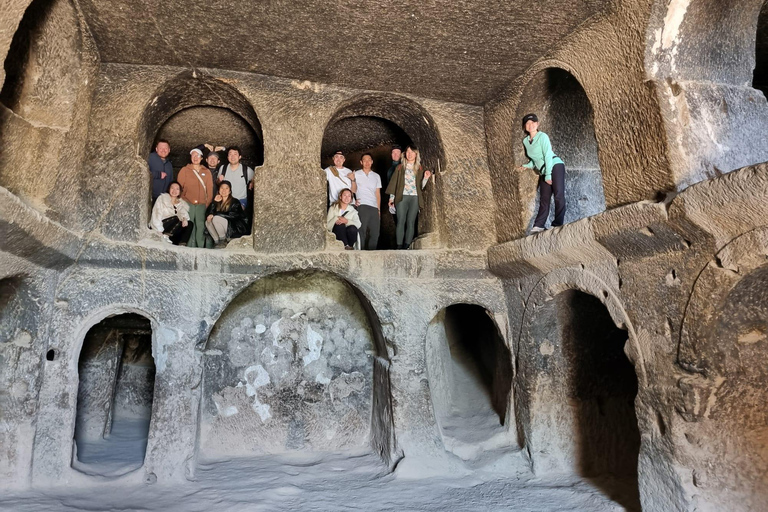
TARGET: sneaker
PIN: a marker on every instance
(536, 229)
(349, 247)
(167, 239)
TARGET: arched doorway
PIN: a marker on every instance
(114, 401)
(565, 114)
(373, 123)
(296, 362)
(470, 378)
(578, 392)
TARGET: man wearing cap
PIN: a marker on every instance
(197, 190)
(160, 168)
(368, 203)
(339, 178)
(551, 171)
(238, 174)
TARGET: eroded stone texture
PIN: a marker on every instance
(288, 368)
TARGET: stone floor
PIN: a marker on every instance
(323, 483)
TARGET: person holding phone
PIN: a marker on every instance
(343, 220)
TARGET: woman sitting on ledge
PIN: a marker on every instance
(170, 216)
(225, 218)
(343, 220)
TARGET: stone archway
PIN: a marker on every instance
(565, 113)
(470, 380)
(296, 362)
(372, 123)
(579, 371)
(116, 373)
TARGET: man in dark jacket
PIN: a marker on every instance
(160, 168)
(397, 152)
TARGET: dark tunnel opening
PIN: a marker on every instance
(470, 373)
(601, 386)
(115, 395)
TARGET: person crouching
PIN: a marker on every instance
(225, 218)
(343, 220)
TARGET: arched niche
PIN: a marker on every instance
(470, 379)
(296, 363)
(760, 75)
(218, 126)
(566, 115)
(116, 377)
(372, 123)
(576, 393)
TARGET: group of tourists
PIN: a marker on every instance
(354, 197)
(207, 204)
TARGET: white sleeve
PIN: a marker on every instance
(157, 216)
(183, 209)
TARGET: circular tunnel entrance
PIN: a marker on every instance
(373, 123)
(565, 114)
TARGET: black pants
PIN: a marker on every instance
(557, 188)
(176, 232)
(369, 230)
(347, 233)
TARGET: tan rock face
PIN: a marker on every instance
(629, 343)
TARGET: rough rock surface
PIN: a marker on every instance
(639, 328)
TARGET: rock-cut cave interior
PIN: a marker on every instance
(559, 312)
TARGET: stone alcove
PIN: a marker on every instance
(116, 373)
(566, 115)
(372, 123)
(296, 362)
(577, 390)
(470, 378)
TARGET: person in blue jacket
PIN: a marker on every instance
(160, 168)
(551, 171)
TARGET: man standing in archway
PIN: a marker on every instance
(368, 203)
(160, 168)
(239, 175)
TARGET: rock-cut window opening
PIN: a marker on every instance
(760, 80)
(115, 394)
(357, 135)
(566, 115)
(470, 375)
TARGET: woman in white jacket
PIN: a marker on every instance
(343, 220)
(170, 216)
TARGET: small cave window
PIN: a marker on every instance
(566, 115)
(357, 135)
(115, 394)
(760, 78)
(470, 375)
